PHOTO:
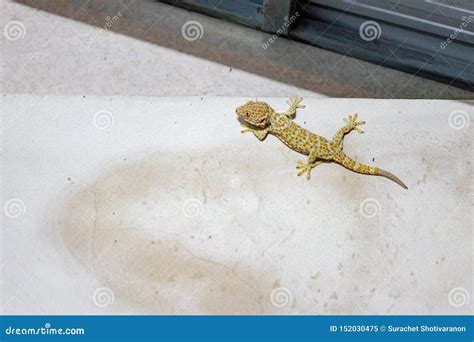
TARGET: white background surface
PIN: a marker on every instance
(173, 210)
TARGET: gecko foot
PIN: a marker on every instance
(303, 168)
(246, 129)
(352, 124)
(294, 102)
(259, 133)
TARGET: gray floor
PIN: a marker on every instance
(72, 53)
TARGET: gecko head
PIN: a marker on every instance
(254, 113)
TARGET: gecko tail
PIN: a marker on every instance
(351, 164)
(391, 176)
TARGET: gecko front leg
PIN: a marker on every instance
(294, 103)
(259, 133)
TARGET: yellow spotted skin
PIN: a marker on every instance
(260, 119)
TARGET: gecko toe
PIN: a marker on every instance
(301, 164)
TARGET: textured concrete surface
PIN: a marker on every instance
(144, 52)
(58, 55)
(115, 205)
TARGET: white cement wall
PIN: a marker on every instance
(163, 202)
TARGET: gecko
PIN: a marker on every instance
(260, 119)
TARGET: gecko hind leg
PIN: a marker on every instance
(303, 167)
(351, 124)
